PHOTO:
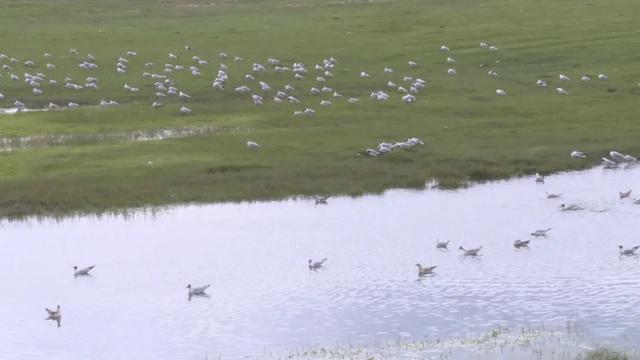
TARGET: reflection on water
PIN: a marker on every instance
(36, 141)
(263, 297)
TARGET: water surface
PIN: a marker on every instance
(263, 297)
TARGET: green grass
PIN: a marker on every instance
(470, 133)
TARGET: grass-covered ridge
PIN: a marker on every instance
(469, 132)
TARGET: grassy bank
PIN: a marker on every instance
(469, 132)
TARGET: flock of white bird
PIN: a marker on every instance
(45, 77)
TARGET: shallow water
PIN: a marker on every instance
(263, 297)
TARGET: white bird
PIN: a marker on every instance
(492, 73)
(391, 84)
(353, 100)
(197, 291)
(571, 207)
(183, 94)
(372, 152)
(553, 196)
(501, 92)
(53, 106)
(388, 69)
(563, 77)
(493, 48)
(173, 56)
(130, 88)
(628, 252)
(616, 156)
(450, 60)
(541, 232)
(585, 78)
(293, 99)
(625, 194)
(412, 63)
(470, 252)
(603, 77)
(452, 71)
(73, 105)
(541, 83)
(578, 154)
(309, 111)
(317, 264)
(520, 244)
(185, 110)
(1, 96)
(19, 104)
(539, 178)
(252, 144)
(364, 74)
(325, 102)
(55, 315)
(609, 163)
(37, 91)
(422, 271)
(82, 272)
(444, 48)
(484, 45)
(408, 98)
(156, 104)
(442, 244)
(562, 91)
(257, 99)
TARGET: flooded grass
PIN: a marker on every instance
(501, 343)
(39, 141)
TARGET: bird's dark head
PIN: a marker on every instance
(620, 246)
(461, 248)
(75, 268)
(418, 265)
(310, 261)
(188, 286)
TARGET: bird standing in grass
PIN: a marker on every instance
(252, 144)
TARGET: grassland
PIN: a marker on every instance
(470, 134)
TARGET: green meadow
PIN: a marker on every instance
(470, 133)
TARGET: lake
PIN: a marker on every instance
(263, 298)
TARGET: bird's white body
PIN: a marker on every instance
(578, 154)
(252, 144)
